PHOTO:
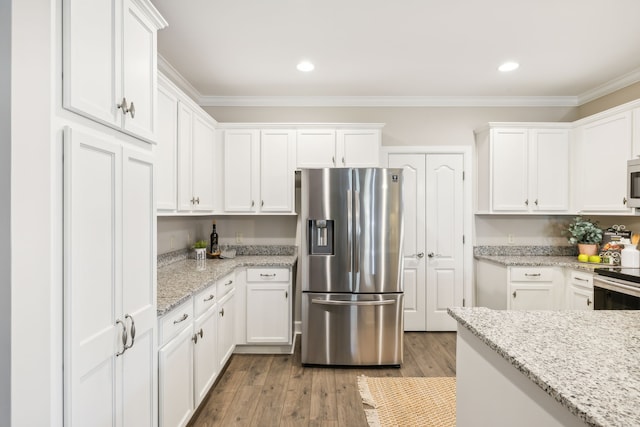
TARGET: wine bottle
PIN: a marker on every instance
(214, 239)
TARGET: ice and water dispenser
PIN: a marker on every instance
(321, 237)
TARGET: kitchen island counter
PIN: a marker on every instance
(181, 279)
(586, 362)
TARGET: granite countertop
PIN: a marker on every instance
(541, 261)
(179, 280)
(586, 360)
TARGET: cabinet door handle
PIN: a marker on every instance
(222, 312)
(268, 275)
(581, 279)
(333, 160)
(526, 202)
(193, 200)
(532, 274)
(209, 298)
(536, 202)
(588, 301)
(262, 203)
(124, 337)
(624, 200)
(286, 294)
(253, 203)
(200, 333)
(123, 106)
(194, 338)
(133, 332)
(182, 319)
(198, 200)
(132, 110)
(514, 294)
(229, 283)
(343, 161)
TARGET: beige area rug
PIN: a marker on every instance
(398, 401)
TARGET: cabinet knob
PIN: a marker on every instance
(333, 160)
(194, 338)
(222, 312)
(343, 161)
(286, 294)
(262, 203)
(514, 294)
(132, 110)
(588, 301)
(200, 333)
(253, 203)
(536, 202)
(624, 200)
(198, 200)
(123, 106)
(526, 202)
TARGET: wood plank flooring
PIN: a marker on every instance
(276, 390)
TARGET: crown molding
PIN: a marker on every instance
(174, 75)
(388, 101)
(610, 87)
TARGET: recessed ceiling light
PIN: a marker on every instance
(508, 66)
(305, 66)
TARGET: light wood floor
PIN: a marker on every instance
(276, 390)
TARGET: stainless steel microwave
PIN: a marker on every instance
(633, 183)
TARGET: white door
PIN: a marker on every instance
(185, 167)
(240, 149)
(276, 170)
(139, 71)
(549, 180)
(414, 238)
(166, 151)
(226, 328)
(139, 368)
(445, 233)
(268, 313)
(202, 164)
(91, 37)
(205, 357)
(92, 269)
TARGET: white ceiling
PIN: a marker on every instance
(405, 52)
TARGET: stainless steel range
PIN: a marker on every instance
(352, 299)
(616, 289)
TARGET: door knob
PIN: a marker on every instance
(420, 255)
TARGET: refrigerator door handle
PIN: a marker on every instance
(349, 228)
(335, 302)
(356, 252)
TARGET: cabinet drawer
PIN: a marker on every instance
(582, 279)
(205, 299)
(175, 321)
(267, 275)
(225, 285)
(536, 274)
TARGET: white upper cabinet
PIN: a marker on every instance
(185, 153)
(326, 148)
(240, 170)
(602, 149)
(523, 170)
(110, 63)
(166, 150)
(259, 170)
(277, 170)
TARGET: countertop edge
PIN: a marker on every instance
(546, 387)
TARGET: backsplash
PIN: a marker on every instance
(560, 250)
(262, 250)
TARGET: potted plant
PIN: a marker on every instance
(586, 234)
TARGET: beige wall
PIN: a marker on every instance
(629, 93)
(403, 125)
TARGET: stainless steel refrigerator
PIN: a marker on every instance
(352, 289)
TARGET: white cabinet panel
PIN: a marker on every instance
(109, 56)
(509, 161)
(602, 150)
(276, 170)
(316, 148)
(549, 165)
(110, 308)
(205, 362)
(268, 313)
(176, 380)
(358, 148)
(226, 328)
(202, 163)
(240, 151)
(166, 150)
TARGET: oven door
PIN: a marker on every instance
(613, 294)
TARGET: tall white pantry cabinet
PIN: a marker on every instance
(110, 315)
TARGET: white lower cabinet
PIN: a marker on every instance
(268, 306)
(532, 288)
(226, 326)
(188, 358)
(579, 290)
(110, 371)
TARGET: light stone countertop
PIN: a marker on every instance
(541, 261)
(178, 281)
(589, 361)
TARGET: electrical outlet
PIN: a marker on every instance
(239, 237)
(510, 238)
